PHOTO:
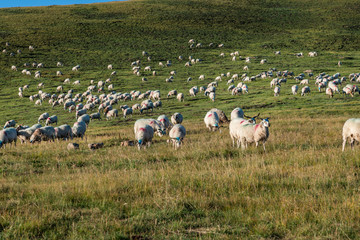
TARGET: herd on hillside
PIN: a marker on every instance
(243, 129)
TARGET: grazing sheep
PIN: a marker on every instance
(329, 92)
(212, 96)
(157, 126)
(157, 104)
(43, 134)
(38, 102)
(95, 116)
(276, 91)
(59, 73)
(8, 135)
(43, 116)
(144, 136)
(294, 89)
(165, 121)
(221, 114)
(109, 114)
(193, 91)
(147, 105)
(305, 90)
(84, 118)
(10, 123)
(177, 134)
(172, 93)
(63, 132)
(110, 67)
(237, 113)
(351, 131)
(211, 121)
(59, 64)
(176, 118)
(25, 134)
(180, 97)
(80, 112)
(249, 132)
(127, 111)
(51, 120)
(79, 129)
(305, 81)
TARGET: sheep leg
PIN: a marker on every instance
(344, 143)
(352, 141)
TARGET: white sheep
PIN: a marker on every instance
(212, 96)
(43, 117)
(79, 129)
(251, 132)
(43, 134)
(110, 67)
(237, 113)
(165, 121)
(111, 114)
(193, 91)
(144, 136)
(176, 118)
(84, 118)
(63, 132)
(305, 81)
(294, 89)
(25, 134)
(127, 112)
(276, 91)
(177, 134)
(351, 131)
(305, 90)
(180, 97)
(13, 68)
(51, 120)
(329, 92)
(8, 135)
(211, 120)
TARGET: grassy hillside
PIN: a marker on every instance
(303, 187)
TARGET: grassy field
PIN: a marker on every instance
(303, 187)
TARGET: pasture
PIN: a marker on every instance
(302, 187)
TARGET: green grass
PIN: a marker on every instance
(303, 187)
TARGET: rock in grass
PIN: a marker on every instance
(73, 146)
(127, 143)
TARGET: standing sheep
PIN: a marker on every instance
(211, 121)
(276, 91)
(79, 129)
(8, 135)
(43, 134)
(25, 134)
(84, 118)
(177, 134)
(351, 130)
(165, 121)
(144, 135)
(51, 120)
(43, 116)
(221, 115)
(180, 97)
(63, 132)
(294, 89)
(305, 90)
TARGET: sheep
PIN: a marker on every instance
(276, 91)
(157, 126)
(221, 115)
(211, 120)
(80, 113)
(110, 67)
(333, 87)
(43, 134)
(305, 90)
(111, 114)
(237, 113)
(294, 89)
(21, 95)
(144, 136)
(246, 133)
(212, 96)
(51, 120)
(13, 68)
(312, 54)
(339, 63)
(176, 118)
(305, 81)
(67, 81)
(76, 68)
(8, 135)
(351, 131)
(165, 121)
(59, 64)
(10, 123)
(157, 104)
(79, 129)
(277, 52)
(147, 105)
(77, 82)
(95, 116)
(40, 85)
(329, 92)
(43, 116)
(59, 73)
(172, 93)
(180, 97)
(69, 103)
(202, 77)
(263, 61)
(193, 91)
(38, 102)
(25, 134)
(177, 134)
(63, 132)
(113, 73)
(127, 111)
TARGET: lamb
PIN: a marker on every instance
(43, 134)
(294, 89)
(51, 120)
(43, 116)
(237, 113)
(80, 112)
(221, 115)
(25, 134)
(8, 135)
(180, 97)
(157, 126)
(84, 118)
(63, 132)
(176, 118)
(111, 114)
(144, 135)
(79, 129)
(351, 131)
(250, 132)
(165, 121)
(305, 90)
(95, 116)
(10, 123)
(177, 134)
(211, 120)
